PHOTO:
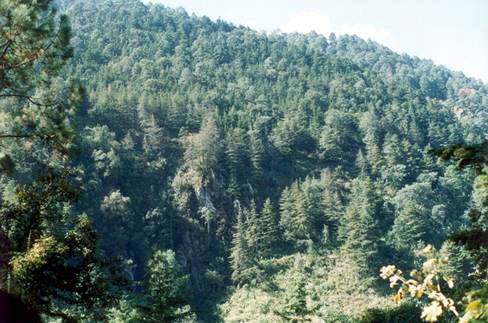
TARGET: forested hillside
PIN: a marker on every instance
(234, 175)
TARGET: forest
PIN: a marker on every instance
(157, 166)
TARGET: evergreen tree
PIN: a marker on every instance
(332, 204)
(295, 221)
(236, 155)
(370, 127)
(295, 309)
(183, 116)
(413, 221)
(35, 46)
(411, 226)
(257, 155)
(286, 212)
(240, 257)
(339, 142)
(253, 228)
(51, 260)
(359, 227)
(474, 238)
(312, 207)
(166, 289)
(269, 235)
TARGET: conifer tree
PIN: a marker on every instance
(268, 229)
(370, 126)
(411, 226)
(301, 222)
(294, 219)
(312, 207)
(236, 153)
(295, 309)
(240, 259)
(52, 261)
(253, 229)
(339, 141)
(413, 221)
(166, 289)
(332, 204)
(286, 212)
(359, 228)
(257, 153)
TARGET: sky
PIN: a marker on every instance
(453, 33)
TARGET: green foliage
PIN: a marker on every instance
(269, 234)
(236, 149)
(477, 305)
(359, 228)
(35, 45)
(295, 309)
(166, 284)
(407, 312)
(51, 259)
(242, 257)
(304, 288)
(476, 237)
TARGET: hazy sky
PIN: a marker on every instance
(453, 33)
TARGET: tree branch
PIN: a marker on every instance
(14, 136)
(28, 98)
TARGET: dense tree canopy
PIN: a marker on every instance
(226, 174)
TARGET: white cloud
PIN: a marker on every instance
(307, 21)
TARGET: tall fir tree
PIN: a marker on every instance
(359, 227)
(295, 220)
(269, 235)
(240, 258)
(253, 228)
(414, 223)
(166, 299)
(333, 204)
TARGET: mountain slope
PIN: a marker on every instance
(192, 125)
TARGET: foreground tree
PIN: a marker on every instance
(49, 255)
(428, 281)
(424, 282)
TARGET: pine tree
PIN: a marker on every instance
(359, 228)
(166, 288)
(301, 222)
(257, 151)
(411, 226)
(312, 207)
(332, 204)
(294, 218)
(413, 221)
(392, 150)
(286, 213)
(253, 229)
(51, 258)
(339, 141)
(236, 153)
(152, 138)
(361, 163)
(295, 309)
(240, 259)
(35, 46)
(370, 125)
(269, 235)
